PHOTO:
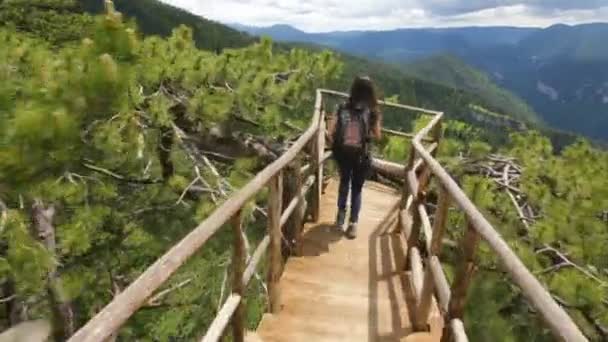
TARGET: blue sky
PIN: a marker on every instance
(329, 15)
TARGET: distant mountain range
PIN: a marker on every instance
(561, 71)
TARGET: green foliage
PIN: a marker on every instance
(81, 123)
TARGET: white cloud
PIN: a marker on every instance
(328, 15)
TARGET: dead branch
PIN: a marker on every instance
(156, 299)
(564, 260)
(118, 176)
(246, 120)
(8, 299)
(292, 126)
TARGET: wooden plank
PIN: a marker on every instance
(423, 306)
(405, 221)
(442, 288)
(255, 259)
(238, 267)
(441, 216)
(561, 325)
(116, 313)
(416, 273)
(222, 319)
(426, 227)
(274, 231)
(458, 331)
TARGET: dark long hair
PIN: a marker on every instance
(364, 91)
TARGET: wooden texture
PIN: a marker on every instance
(458, 331)
(423, 307)
(274, 231)
(238, 267)
(216, 330)
(464, 274)
(255, 260)
(441, 284)
(348, 290)
(441, 217)
(318, 155)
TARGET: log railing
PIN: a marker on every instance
(428, 278)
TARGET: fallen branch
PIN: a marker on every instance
(120, 177)
(3, 215)
(156, 299)
(546, 248)
(7, 299)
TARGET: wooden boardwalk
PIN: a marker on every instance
(348, 290)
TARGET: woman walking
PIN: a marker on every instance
(352, 128)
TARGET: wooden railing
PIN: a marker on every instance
(428, 279)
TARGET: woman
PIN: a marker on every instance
(351, 129)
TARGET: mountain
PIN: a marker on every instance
(559, 71)
(400, 44)
(284, 33)
(155, 17)
(454, 72)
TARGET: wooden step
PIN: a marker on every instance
(251, 336)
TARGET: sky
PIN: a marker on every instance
(336, 15)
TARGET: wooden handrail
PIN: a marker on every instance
(556, 318)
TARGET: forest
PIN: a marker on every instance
(115, 142)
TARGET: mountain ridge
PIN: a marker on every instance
(567, 58)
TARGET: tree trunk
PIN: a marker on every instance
(64, 325)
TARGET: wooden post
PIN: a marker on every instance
(274, 231)
(293, 189)
(419, 198)
(462, 279)
(441, 217)
(317, 155)
(297, 219)
(238, 267)
(424, 307)
(437, 135)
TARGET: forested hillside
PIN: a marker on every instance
(115, 143)
(559, 71)
(453, 72)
